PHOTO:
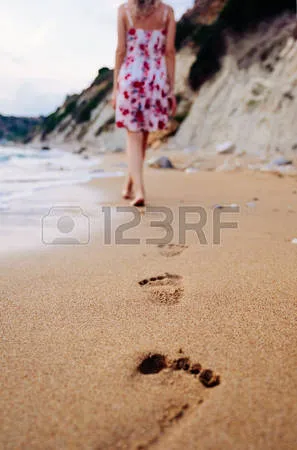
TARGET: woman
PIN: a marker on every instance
(143, 81)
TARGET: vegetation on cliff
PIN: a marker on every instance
(80, 107)
(206, 24)
(17, 128)
(54, 119)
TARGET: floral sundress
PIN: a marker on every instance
(143, 102)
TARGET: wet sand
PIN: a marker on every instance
(77, 321)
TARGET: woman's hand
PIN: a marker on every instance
(114, 99)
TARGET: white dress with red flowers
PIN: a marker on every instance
(143, 101)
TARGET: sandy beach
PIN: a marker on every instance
(78, 321)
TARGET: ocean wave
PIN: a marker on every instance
(23, 171)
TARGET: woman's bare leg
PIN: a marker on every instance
(127, 191)
(128, 186)
(135, 164)
(144, 143)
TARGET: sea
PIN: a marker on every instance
(40, 187)
(23, 171)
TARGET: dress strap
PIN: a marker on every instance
(129, 15)
(165, 14)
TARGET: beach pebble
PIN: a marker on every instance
(289, 170)
(225, 148)
(280, 169)
(294, 241)
(160, 163)
(281, 161)
(208, 378)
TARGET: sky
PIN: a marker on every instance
(51, 48)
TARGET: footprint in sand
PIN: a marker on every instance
(154, 363)
(171, 249)
(175, 406)
(165, 289)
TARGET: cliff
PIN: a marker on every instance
(251, 100)
(234, 81)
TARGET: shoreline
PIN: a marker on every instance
(101, 192)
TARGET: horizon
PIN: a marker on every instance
(45, 58)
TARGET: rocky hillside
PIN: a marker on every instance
(251, 100)
(17, 128)
(236, 65)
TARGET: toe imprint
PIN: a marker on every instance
(171, 249)
(209, 378)
(165, 289)
(153, 363)
(181, 364)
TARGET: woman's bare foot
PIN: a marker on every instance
(139, 201)
(127, 191)
(127, 195)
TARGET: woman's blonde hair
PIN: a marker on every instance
(143, 8)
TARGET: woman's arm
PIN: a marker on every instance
(170, 48)
(120, 51)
